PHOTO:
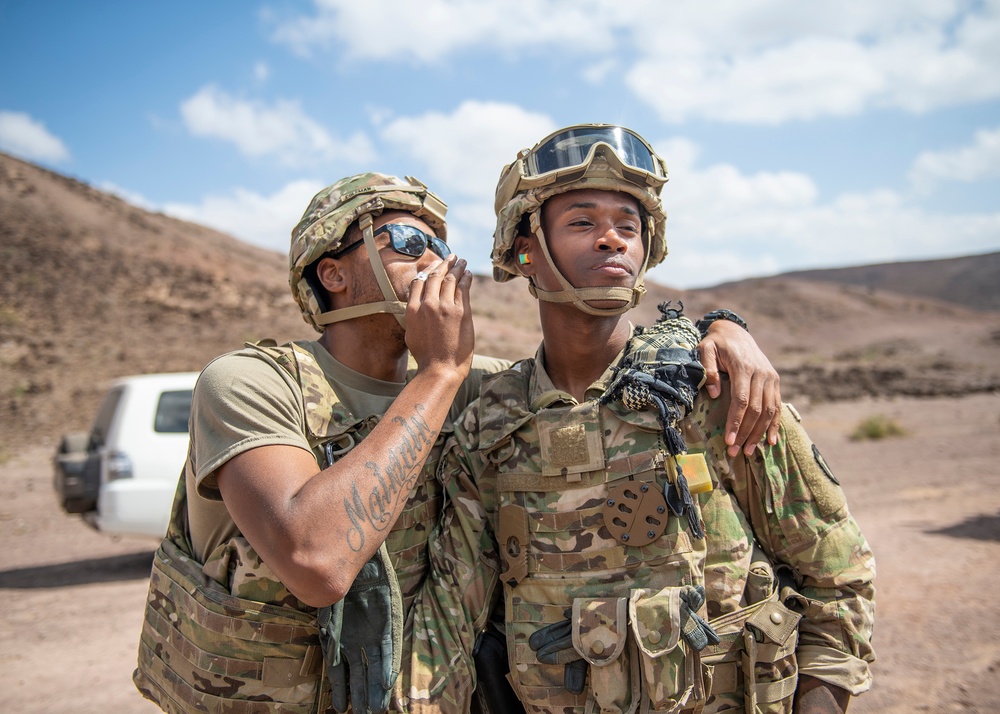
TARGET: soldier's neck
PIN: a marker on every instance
(578, 347)
(369, 345)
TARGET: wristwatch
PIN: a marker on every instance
(704, 323)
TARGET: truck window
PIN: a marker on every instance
(172, 412)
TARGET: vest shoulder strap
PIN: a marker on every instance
(326, 417)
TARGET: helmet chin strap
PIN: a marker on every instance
(391, 304)
(629, 297)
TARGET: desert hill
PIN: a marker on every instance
(973, 281)
(92, 288)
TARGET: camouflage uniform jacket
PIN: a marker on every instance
(253, 640)
(532, 469)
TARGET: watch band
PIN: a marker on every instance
(722, 314)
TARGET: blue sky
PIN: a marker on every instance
(798, 135)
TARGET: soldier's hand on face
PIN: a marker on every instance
(755, 409)
(439, 330)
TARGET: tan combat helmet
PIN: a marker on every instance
(597, 156)
(325, 223)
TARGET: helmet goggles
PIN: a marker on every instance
(565, 155)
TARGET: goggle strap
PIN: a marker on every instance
(349, 313)
(379, 269)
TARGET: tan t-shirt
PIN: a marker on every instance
(241, 402)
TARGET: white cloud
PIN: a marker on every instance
(976, 162)
(266, 221)
(463, 151)
(852, 231)
(261, 71)
(599, 71)
(459, 155)
(802, 62)
(755, 61)
(802, 80)
(281, 130)
(470, 231)
(28, 138)
(429, 31)
(726, 225)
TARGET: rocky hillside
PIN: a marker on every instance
(92, 288)
(973, 281)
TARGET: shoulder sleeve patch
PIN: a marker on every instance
(815, 471)
(823, 465)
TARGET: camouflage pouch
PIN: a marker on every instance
(769, 641)
(671, 671)
(202, 649)
(531, 607)
(754, 666)
(600, 632)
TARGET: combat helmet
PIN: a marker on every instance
(323, 227)
(595, 156)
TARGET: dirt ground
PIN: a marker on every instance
(928, 502)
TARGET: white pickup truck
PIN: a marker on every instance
(122, 475)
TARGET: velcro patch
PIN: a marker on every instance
(568, 446)
(816, 473)
(570, 441)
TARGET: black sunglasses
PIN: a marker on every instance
(405, 240)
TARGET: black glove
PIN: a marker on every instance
(553, 644)
(696, 631)
(358, 635)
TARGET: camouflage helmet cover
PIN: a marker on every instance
(519, 194)
(334, 209)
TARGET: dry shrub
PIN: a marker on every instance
(877, 426)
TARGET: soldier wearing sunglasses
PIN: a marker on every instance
(310, 492)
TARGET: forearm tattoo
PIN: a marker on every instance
(402, 468)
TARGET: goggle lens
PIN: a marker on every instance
(411, 241)
(572, 148)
